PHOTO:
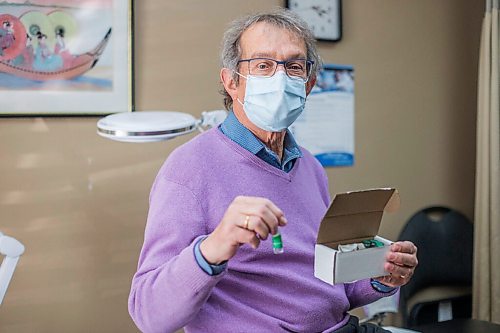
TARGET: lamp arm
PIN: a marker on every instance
(211, 119)
(12, 249)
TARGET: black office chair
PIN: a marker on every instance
(442, 284)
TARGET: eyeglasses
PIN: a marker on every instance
(294, 68)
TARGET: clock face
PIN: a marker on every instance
(322, 16)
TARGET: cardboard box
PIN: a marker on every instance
(351, 218)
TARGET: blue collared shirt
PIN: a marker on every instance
(235, 130)
(380, 287)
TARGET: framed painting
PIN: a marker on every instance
(66, 57)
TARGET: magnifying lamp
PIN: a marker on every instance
(152, 126)
(12, 249)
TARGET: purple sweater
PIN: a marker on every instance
(259, 291)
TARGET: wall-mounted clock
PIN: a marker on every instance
(324, 17)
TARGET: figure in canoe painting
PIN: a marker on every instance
(42, 41)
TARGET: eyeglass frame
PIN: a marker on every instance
(309, 64)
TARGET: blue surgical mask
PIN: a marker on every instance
(273, 103)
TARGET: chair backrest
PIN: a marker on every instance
(425, 313)
(444, 238)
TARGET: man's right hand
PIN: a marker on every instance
(247, 220)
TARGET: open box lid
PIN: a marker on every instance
(354, 215)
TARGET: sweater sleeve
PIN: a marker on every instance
(361, 292)
(169, 287)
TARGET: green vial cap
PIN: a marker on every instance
(372, 243)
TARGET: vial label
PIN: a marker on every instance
(277, 244)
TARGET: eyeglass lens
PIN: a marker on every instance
(267, 67)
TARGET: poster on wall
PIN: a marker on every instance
(65, 57)
(326, 127)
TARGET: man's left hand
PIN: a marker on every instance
(401, 261)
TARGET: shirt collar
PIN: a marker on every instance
(240, 134)
(235, 130)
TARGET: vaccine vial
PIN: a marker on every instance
(277, 244)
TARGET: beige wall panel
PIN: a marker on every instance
(79, 202)
(416, 65)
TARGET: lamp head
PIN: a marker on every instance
(152, 126)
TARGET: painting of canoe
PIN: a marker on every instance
(69, 68)
(66, 57)
(43, 41)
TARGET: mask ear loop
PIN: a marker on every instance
(246, 78)
(243, 76)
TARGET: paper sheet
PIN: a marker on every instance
(326, 127)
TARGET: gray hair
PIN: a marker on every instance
(282, 18)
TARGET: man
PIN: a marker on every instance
(207, 262)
